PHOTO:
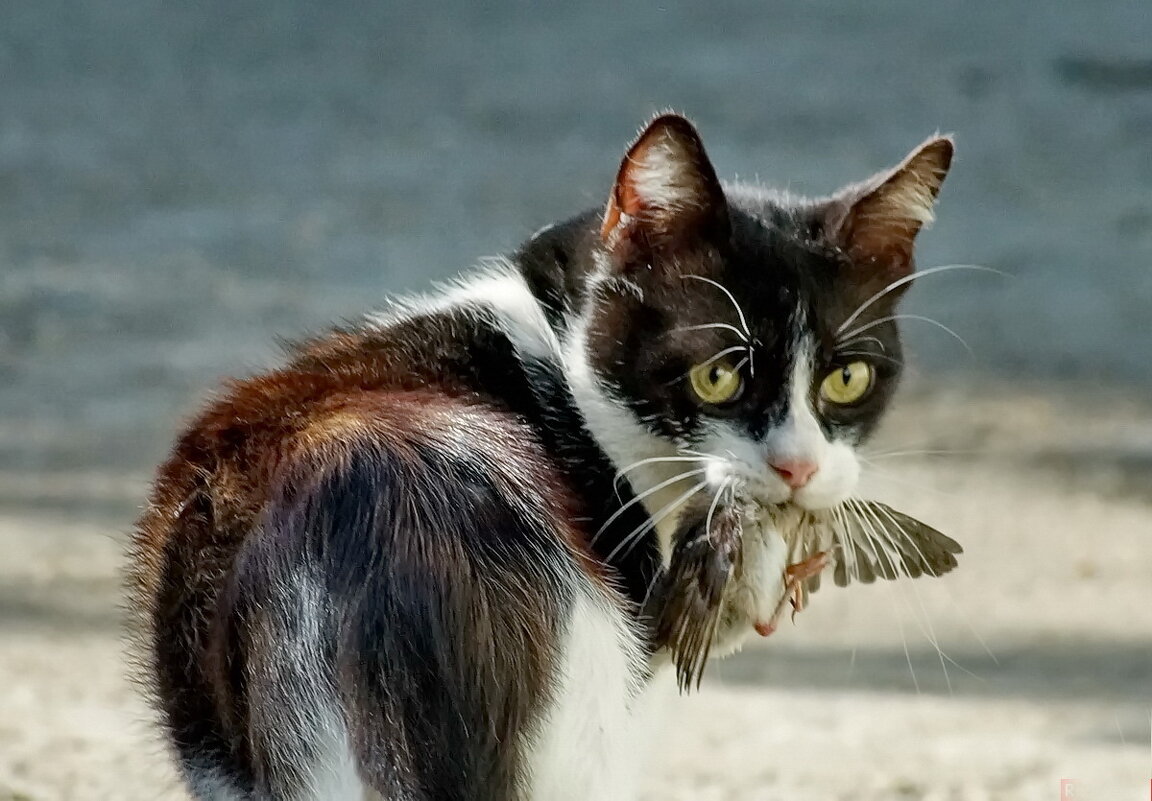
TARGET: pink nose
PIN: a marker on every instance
(796, 473)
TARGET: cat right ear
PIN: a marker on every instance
(876, 222)
(666, 191)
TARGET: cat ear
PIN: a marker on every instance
(666, 189)
(876, 222)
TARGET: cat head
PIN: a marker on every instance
(743, 335)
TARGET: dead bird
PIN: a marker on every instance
(721, 573)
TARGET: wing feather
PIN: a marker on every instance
(872, 540)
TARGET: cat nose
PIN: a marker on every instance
(795, 472)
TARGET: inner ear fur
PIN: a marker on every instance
(666, 189)
(876, 222)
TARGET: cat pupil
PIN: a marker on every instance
(845, 375)
(714, 374)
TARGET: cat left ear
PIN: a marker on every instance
(665, 190)
(876, 222)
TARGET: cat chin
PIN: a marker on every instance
(825, 495)
(834, 483)
(819, 502)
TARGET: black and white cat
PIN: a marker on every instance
(443, 554)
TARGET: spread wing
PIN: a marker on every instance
(871, 540)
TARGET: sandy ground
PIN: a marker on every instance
(1046, 633)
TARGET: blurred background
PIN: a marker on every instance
(182, 184)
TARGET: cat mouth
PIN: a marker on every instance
(770, 498)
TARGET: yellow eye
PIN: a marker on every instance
(847, 384)
(716, 382)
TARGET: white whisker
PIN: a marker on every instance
(866, 545)
(884, 474)
(847, 544)
(657, 574)
(712, 508)
(735, 305)
(727, 326)
(866, 530)
(929, 452)
(642, 529)
(721, 354)
(642, 496)
(691, 452)
(952, 599)
(919, 317)
(848, 556)
(927, 629)
(852, 342)
(707, 527)
(869, 354)
(907, 280)
(715, 357)
(625, 470)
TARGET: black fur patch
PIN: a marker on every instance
(441, 606)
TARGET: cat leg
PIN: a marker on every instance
(591, 736)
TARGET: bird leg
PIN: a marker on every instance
(794, 577)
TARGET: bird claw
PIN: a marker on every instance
(794, 593)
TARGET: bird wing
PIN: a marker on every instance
(873, 540)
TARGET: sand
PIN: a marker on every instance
(1046, 628)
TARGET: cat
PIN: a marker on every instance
(433, 555)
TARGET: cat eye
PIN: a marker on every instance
(716, 382)
(847, 384)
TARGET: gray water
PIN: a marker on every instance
(182, 182)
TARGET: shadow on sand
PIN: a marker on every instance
(1100, 670)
